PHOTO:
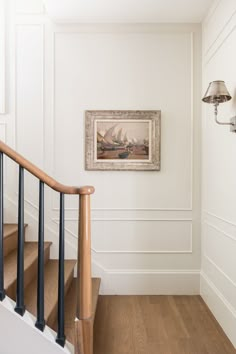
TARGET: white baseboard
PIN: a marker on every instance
(148, 282)
(224, 313)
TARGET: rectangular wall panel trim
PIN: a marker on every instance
(108, 30)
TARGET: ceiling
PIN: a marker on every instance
(128, 11)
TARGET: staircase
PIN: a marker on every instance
(44, 287)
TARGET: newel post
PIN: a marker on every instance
(83, 321)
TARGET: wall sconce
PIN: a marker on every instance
(217, 93)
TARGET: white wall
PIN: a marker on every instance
(2, 57)
(24, 331)
(145, 225)
(218, 277)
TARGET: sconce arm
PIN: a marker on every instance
(232, 122)
(225, 123)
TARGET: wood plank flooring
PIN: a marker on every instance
(157, 325)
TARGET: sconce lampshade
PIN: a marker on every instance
(216, 93)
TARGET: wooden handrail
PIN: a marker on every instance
(41, 175)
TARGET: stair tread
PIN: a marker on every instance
(9, 229)
(10, 234)
(70, 307)
(50, 287)
(10, 262)
(96, 286)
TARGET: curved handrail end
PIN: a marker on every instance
(86, 190)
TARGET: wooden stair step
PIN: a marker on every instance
(30, 266)
(96, 287)
(10, 233)
(50, 288)
(70, 308)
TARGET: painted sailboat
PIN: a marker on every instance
(119, 137)
(100, 138)
(111, 141)
(108, 137)
(126, 140)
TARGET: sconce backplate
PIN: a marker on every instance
(233, 124)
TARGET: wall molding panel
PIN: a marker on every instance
(187, 250)
(123, 219)
(137, 29)
(41, 28)
(220, 224)
(220, 44)
(3, 131)
(220, 270)
(227, 24)
(131, 209)
(29, 85)
(232, 237)
(224, 245)
(217, 217)
(226, 29)
(211, 11)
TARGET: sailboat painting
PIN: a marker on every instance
(123, 140)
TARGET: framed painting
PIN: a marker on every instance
(123, 140)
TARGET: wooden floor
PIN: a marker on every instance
(157, 325)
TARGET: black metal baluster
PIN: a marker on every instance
(40, 323)
(2, 291)
(61, 330)
(20, 307)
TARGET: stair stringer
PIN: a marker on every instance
(19, 334)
